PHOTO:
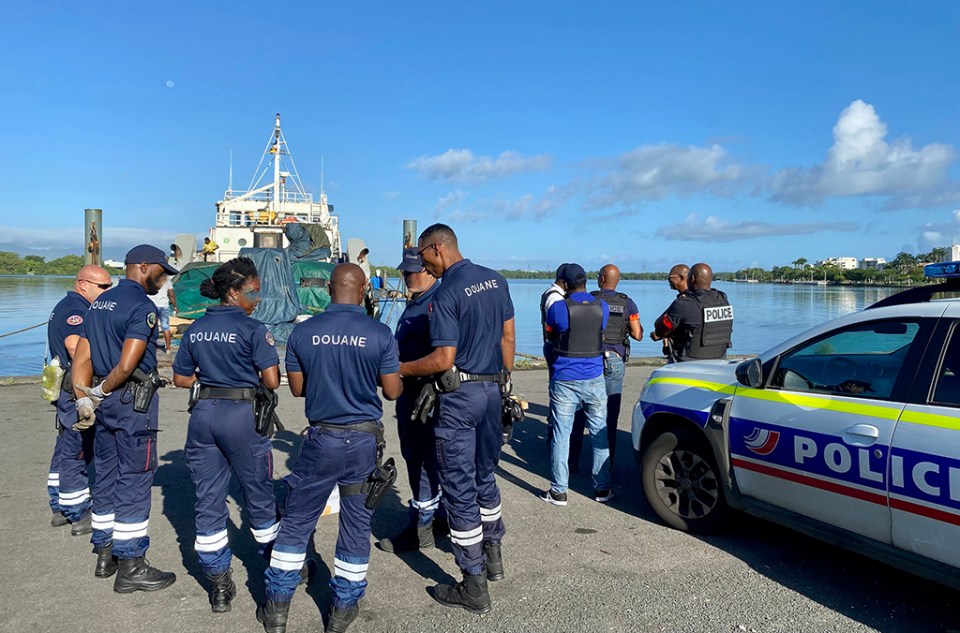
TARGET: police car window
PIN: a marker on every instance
(863, 360)
(948, 376)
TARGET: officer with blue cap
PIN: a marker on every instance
(67, 481)
(335, 360)
(473, 335)
(118, 355)
(417, 441)
(232, 355)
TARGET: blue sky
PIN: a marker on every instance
(643, 133)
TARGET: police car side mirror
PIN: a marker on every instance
(750, 373)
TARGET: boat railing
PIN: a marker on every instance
(267, 196)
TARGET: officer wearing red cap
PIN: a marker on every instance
(117, 354)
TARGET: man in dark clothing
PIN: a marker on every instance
(678, 281)
(699, 323)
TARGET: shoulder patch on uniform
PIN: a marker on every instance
(270, 340)
(76, 319)
(151, 319)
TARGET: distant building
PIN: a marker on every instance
(873, 263)
(114, 263)
(954, 253)
(843, 263)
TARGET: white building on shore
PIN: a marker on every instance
(843, 263)
(873, 263)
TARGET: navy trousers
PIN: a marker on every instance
(221, 437)
(418, 448)
(328, 457)
(124, 458)
(67, 482)
(469, 431)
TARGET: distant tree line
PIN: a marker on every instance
(13, 264)
(904, 269)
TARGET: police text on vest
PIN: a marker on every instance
(723, 313)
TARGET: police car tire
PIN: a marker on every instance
(682, 483)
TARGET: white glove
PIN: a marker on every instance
(98, 392)
(85, 412)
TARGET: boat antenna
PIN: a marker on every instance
(321, 174)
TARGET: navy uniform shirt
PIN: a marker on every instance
(682, 320)
(66, 320)
(341, 353)
(120, 313)
(226, 348)
(467, 312)
(413, 328)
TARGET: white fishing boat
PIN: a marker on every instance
(259, 216)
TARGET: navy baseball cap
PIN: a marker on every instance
(146, 254)
(411, 261)
(574, 275)
(560, 270)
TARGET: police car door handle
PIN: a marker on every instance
(861, 434)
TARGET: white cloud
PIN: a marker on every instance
(652, 172)
(170, 83)
(460, 165)
(453, 198)
(72, 238)
(862, 162)
(526, 206)
(713, 229)
(935, 234)
(392, 195)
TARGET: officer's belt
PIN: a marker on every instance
(227, 393)
(371, 427)
(465, 377)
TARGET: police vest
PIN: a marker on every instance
(543, 311)
(716, 326)
(583, 337)
(616, 331)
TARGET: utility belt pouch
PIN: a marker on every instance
(265, 411)
(144, 387)
(424, 404)
(511, 414)
(194, 396)
(379, 482)
(66, 385)
(606, 363)
(448, 381)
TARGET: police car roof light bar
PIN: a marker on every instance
(948, 271)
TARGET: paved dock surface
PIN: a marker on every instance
(586, 567)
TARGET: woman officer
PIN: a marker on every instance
(230, 354)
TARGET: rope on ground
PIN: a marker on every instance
(23, 330)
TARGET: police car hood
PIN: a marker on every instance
(721, 370)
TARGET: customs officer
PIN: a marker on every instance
(472, 332)
(67, 482)
(417, 441)
(335, 360)
(118, 354)
(699, 322)
(232, 355)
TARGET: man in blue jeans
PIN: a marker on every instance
(576, 327)
(623, 325)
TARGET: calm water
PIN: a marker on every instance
(765, 314)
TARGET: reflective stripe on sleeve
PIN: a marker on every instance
(350, 571)
(211, 542)
(469, 537)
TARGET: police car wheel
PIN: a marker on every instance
(682, 482)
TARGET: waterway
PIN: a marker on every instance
(765, 314)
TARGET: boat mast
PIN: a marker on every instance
(276, 167)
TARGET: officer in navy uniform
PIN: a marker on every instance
(417, 441)
(335, 360)
(230, 354)
(699, 323)
(118, 354)
(67, 481)
(473, 335)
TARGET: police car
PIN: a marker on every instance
(849, 432)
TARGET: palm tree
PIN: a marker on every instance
(800, 262)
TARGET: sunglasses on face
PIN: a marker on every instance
(100, 286)
(420, 252)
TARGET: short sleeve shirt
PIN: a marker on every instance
(558, 320)
(631, 313)
(468, 312)
(413, 328)
(226, 348)
(121, 313)
(341, 353)
(66, 320)
(683, 318)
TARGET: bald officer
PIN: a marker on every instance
(118, 355)
(335, 360)
(67, 482)
(472, 332)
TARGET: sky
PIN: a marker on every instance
(639, 133)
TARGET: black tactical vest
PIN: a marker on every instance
(616, 331)
(716, 326)
(584, 336)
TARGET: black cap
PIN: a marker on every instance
(560, 270)
(411, 261)
(574, 275)
(146, 254)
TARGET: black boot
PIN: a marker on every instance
(340, 618)
(273, 616)
(470, 594)
(58, 520)
(308, 572)
(222, 591)
(106, 561)
(411, 539)
(136, 574)
(82, 526)
(494, 561)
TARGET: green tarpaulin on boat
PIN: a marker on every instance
(311, 278)
(190, 303)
